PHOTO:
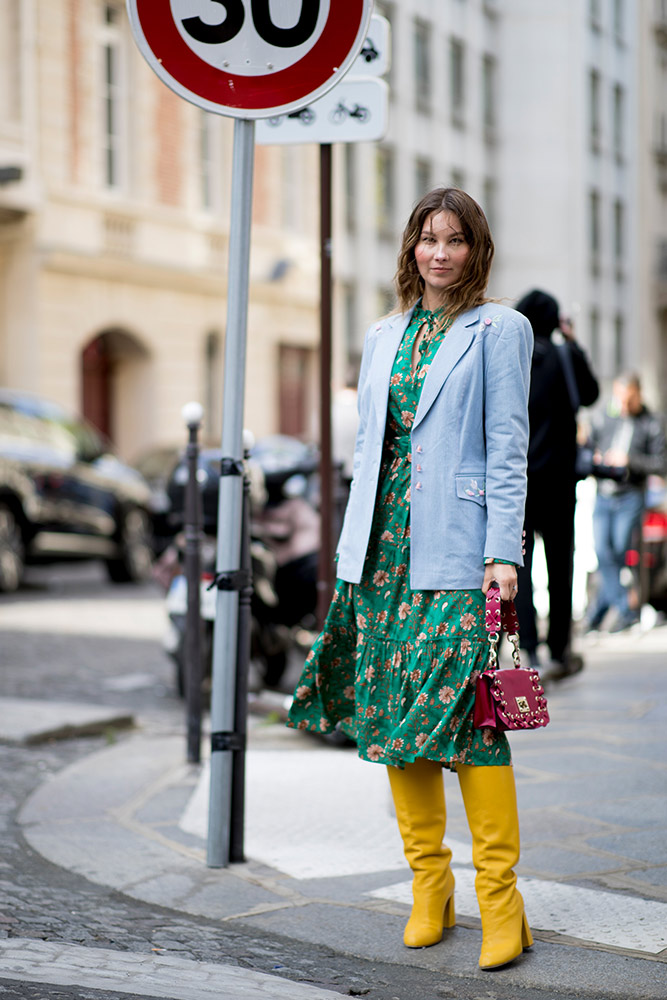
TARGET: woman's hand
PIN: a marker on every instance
(506, 578)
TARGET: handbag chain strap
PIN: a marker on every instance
(501, 616)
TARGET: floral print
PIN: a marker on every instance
(396, 668)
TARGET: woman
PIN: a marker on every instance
(435, 515)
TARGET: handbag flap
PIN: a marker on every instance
(519, 696)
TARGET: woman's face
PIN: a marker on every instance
(441, 253)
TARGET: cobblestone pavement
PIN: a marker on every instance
(67, 646)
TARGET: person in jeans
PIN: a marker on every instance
(630, 439)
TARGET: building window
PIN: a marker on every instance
(294, 389)
(422, 66)
(489, 92)
(212, 385)
(619, 346)
(618, 118)
(489, 202)
(457, 80)
(385, 190)
(594, 116)
(594, 240)
(458, 178)
(618, 16)
(594, 325)
(619, 231)
(595, 14)
(113, 89)
(10, 61)
(350, 182)
(423, 175)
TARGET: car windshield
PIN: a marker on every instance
(34, 426)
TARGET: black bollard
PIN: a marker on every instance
(192, 646)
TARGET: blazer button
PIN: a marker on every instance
(419, 449)
(418, 486)
(419, 468)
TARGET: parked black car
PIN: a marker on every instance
(64, 495)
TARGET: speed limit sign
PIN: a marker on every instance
(250, 58)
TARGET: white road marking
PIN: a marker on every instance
(587, 914)
(287, 828)
(32, 961)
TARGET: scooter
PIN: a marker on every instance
(284, 529)
(281, 607)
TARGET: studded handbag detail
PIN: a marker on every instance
(512, 698)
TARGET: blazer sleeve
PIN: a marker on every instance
(506, 387)
(364, 400)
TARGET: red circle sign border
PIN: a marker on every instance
(294, 87)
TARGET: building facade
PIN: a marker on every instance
(114, 215)
(114, 204)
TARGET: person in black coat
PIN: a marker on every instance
(561, 381)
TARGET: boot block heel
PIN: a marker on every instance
(526, 936)
(449, 916)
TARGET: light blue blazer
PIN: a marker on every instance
(469, 447)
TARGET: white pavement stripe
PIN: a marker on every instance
(287, 828)
(607, 918)
(34, 961)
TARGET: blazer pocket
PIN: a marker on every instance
(471, 487)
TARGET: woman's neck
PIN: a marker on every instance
(431, 304)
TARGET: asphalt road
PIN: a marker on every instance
(69, 635)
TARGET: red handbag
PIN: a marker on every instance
(513, 698)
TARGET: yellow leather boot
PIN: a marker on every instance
(489, 797)
(419, 798)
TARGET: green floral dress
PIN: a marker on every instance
(396, 668)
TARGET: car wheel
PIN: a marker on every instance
(135, 562)
(12, 551)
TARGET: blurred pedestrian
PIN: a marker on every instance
(435, 515)
(561, 381)
(629, 441)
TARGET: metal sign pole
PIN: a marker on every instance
(325, 569)
(230, 505)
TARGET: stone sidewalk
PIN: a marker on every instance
(325, 861)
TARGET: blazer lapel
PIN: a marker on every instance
(456, 343)
(383, 361)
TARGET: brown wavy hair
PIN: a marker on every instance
(467, 292)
